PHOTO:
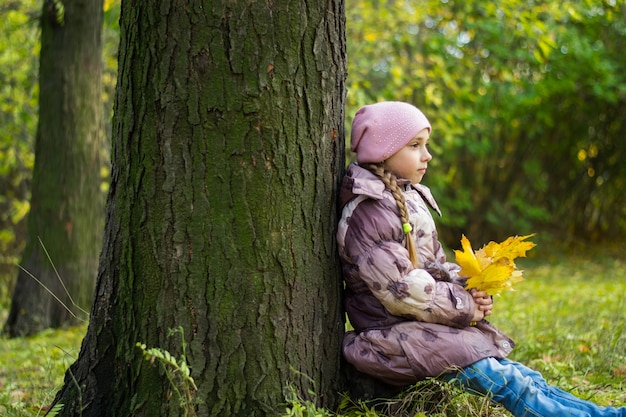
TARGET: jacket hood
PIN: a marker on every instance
(360, 181)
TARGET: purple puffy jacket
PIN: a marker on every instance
(409, 324)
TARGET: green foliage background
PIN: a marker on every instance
(527, 103)
(19, 51)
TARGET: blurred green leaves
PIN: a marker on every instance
(520, 95)
(19, 50)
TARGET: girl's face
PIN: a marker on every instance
(411, 161)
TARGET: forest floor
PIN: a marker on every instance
(567, 318)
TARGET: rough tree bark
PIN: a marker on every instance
(67, 204)
(228, 149)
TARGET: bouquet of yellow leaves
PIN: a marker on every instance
(492, 268)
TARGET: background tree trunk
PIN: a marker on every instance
(66, 205)
(228, 149)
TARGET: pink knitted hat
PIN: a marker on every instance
(382, 129)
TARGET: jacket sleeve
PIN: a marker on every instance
(413, 293)
(445, 271)
(453, 270)
(373, 243)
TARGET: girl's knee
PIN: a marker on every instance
(491, 377)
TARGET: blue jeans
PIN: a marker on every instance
(524, 392)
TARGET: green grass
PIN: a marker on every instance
(567, 318)
(32, 369)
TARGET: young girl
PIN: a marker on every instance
(411, 315)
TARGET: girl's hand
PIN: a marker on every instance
(484, 304)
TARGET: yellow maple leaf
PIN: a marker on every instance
(511, 248)
(470, 266)
(492, 268)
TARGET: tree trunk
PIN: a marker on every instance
(228, 149)
(66, 206)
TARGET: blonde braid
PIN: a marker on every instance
(392, 185)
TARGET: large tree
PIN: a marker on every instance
(67, 204)
(227, 150)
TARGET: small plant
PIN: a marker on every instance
(177, 371)
(84, 313)
(55, 410)
(299, 407)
